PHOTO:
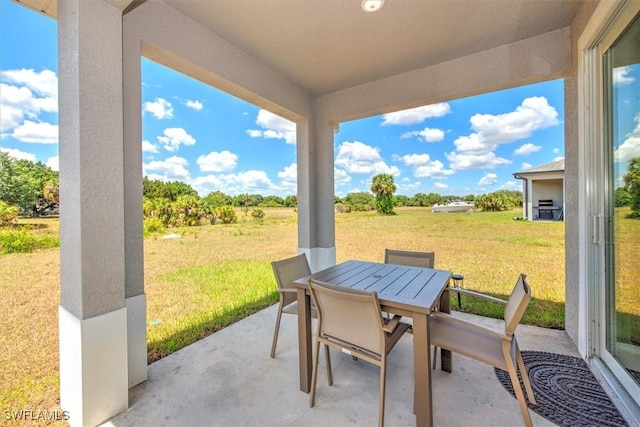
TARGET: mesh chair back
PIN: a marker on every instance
(412, 259)
(349, 316)
(516, 304)
(288, 270)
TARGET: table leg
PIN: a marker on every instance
(422, 370)
(445, 355)
(304, 339)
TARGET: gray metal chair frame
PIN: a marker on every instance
(496, 348)
(410, 258)
(351, 321)
(286, 271)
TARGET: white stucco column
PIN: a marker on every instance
(316, 213)
(92, 314)
(135, 298)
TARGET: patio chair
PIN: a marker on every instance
(412, 259)
(409, 258)
(496, 348)
(286, 271)
(351, 321)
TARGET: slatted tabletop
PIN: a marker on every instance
(404, 287)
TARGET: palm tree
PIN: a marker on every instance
(383, 187)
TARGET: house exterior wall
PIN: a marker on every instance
(547, 189)
(572, 176)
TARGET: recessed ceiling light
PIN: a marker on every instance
(371, 5)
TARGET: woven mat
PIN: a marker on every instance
(566, 391)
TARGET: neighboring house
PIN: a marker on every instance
(543, 192)
(318, 64)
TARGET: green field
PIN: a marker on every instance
(215, 275)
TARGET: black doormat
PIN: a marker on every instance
(566, 391)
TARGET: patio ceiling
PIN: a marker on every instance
(326, 46)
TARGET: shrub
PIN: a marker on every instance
(22, 241)
(227, 214)
(8, 213)
(257, 214)
(153, 226)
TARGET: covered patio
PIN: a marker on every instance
(229, 379)
(318, 64)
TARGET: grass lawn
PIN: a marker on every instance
(186, 279)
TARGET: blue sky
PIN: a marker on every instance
(199, 135)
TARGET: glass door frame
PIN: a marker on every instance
(596, 217)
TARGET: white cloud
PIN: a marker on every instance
(621, 76)
(408, 188)
(252, 181)
(53, 163)
(555, 151)
(174, 137)
(477, 149)
(37, 132)
(341, 177)
(289, 173)
(441, 185)
(358, 158)
(26, 94)
(423, 166)
(533, 114)
(630, 148)
(149, 147)
(526, 166)
(19, 154)
(416, 115)
(426, 134)
(11, 117)
(160, 108)
(526, 149)
(289, 179)
(511, 185)
(488, 179)
(275, 127)
(466, 161)
(173, 168)
(218, 162)
(44, 83)
(194, 104)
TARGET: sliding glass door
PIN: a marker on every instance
(620, 338)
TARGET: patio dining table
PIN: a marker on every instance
(408, 291)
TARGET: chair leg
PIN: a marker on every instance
(383, 377)
(525, 377)
(435, 357)
(275, 332)
(314, 376)
(328, 363)
(515, 382)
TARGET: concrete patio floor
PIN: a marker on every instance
(228, 379)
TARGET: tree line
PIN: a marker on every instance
(32, 189)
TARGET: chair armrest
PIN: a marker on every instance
(477, 295)
(392, 324)
(287, 290)
(461, 322)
